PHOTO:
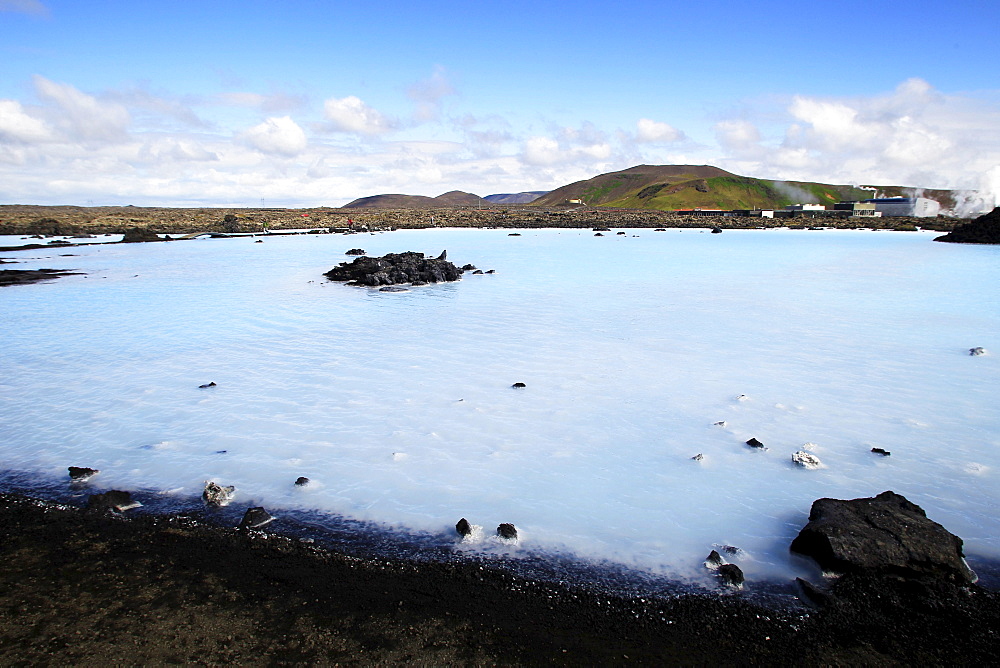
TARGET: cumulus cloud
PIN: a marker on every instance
(16, 126)
(280, 136)
(179, 150)
(81, 116)
(350, 114)
(737, 135)
(31, 7)
(656, 132)
(428, 93)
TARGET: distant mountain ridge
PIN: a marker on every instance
(670, 188)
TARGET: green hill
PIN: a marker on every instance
(673, 187)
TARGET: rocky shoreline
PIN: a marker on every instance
(73, 220)
(96, 587)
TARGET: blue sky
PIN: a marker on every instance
(316, 103)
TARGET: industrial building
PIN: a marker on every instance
(918, 207)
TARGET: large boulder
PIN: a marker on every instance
(393, 269)
(140, 234)
(883, 535)
(982, 230)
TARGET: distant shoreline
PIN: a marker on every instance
(72, 220)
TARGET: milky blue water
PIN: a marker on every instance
(399, 406)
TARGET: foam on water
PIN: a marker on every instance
(399, 406)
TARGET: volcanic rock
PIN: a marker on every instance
(754, 443)
(507, 531)
(880, 451)
(714, 560)
(716, 230)
(115, 500)
(202, 387)
(217, 495)
(979, 350)
(885, 535)
(355, 251)
(730, 575)
(463, 527)
(81, 473)
(302, 481)
(806, 460)
(140, 234)
(518, 386)
(254, 518)
(393, 269)
(982, 230)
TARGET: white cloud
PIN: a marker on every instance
(427, 95)
(737, 135)
(281, 136)
(650, 131)
(350, 114)
(18, 126)
(83, 117)
(32, 7)
(271, 103)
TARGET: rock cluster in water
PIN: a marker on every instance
(982, 230)
(395, 268)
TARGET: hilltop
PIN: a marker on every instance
(454, 198)
(678, 187)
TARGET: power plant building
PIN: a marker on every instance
(917, 207)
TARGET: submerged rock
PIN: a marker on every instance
(880, 451)
(754, 443)
(217, 495)
(81, 473)
(202, 387)
(301, 481)
(113, 500)
(979, 350)
(885, 535)
(507, 531)
(698, 457)
(393, 269)
(518, 386)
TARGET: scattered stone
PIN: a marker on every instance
(714, 560)
(202, 387)
(139, 234)
(660, 229)
(621, 234)
(393, 269)
(698, 457)
(977, 351)
(393, 288)
(518, 385)
(806, 460)
(254, 518)
(81, 473)
(716, 230)
(477, 271)
(113, 500)
(469, 267)
(514, 234)
(259, 241)
(216, 495)
(463, 527)
(355, 251)
(301, 481)
(730, 575)
(507, 531)
(720, 423)
(598, 234)
(491, 271)
(885, 535)
(221, 452)
(880, 451)
(754, 443)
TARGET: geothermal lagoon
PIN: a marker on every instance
(399, 407)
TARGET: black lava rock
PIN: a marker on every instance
(730, 575)
(302, 481)
(754, 443)
(886, 535)
(463, 527)
(202, 387)
(113, 500)
(508, 531)
(255, 518)
(393, 269)
(81, 473)
(140, 234)
(518, 386)
(982, 230)
(355, 251)
(880, 451)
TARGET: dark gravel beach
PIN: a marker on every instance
(85, 588)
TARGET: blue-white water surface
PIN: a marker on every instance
(399, 406)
